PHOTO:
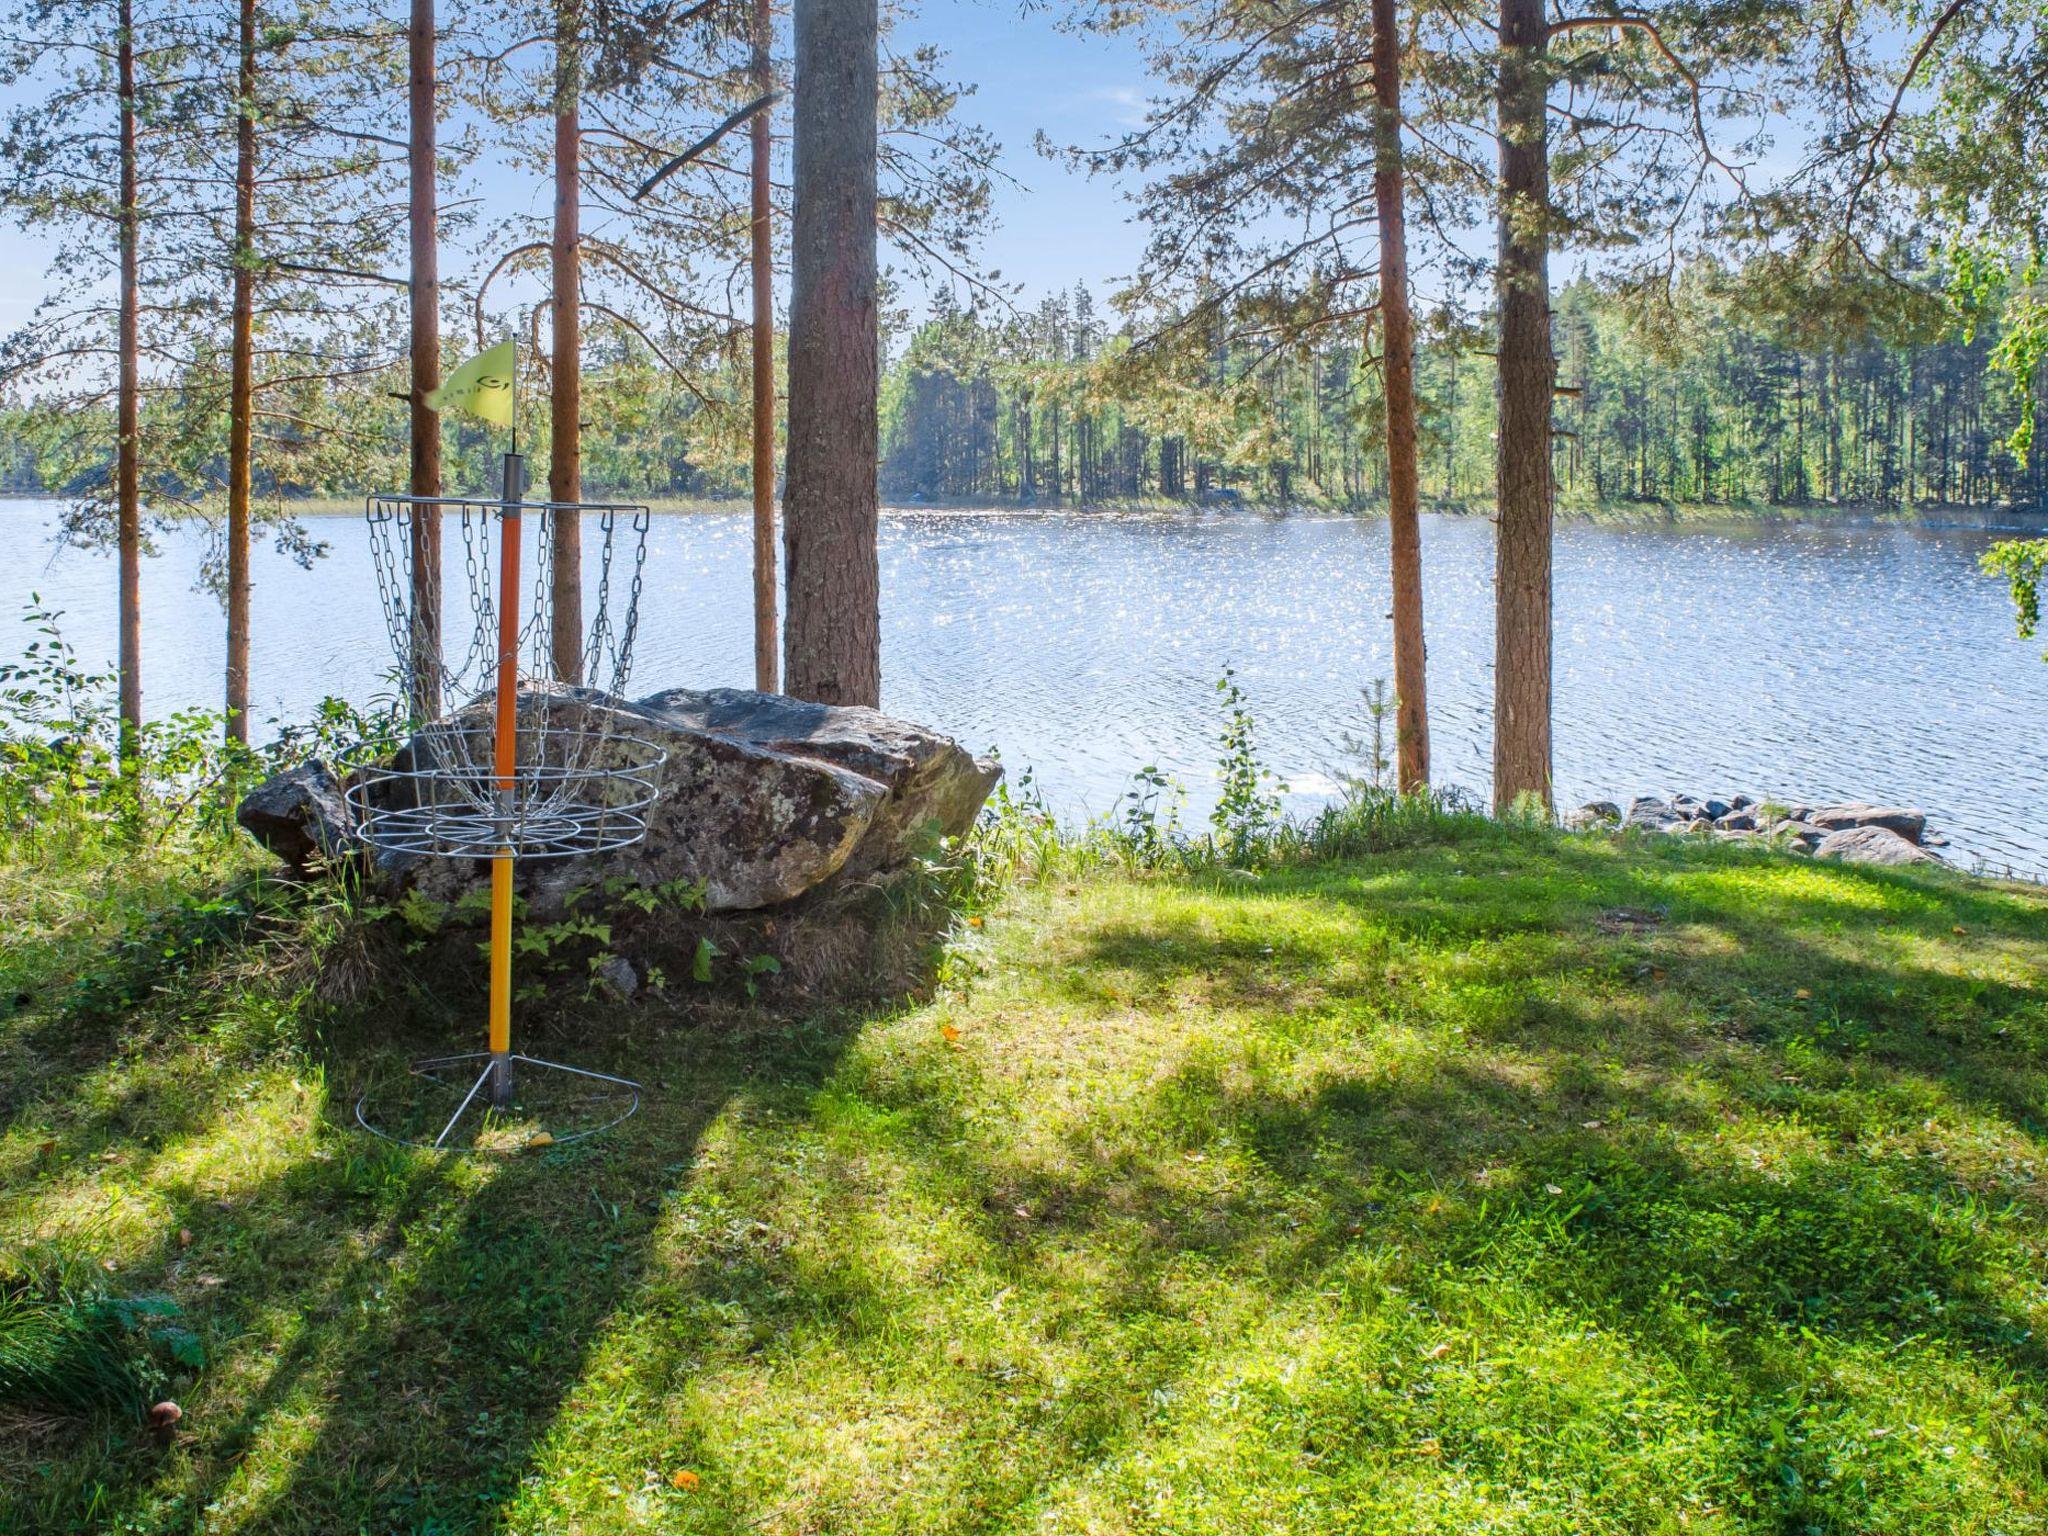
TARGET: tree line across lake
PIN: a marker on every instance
(1709, 406)
(1712, 407)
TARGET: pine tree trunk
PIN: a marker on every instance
(1522, 612)
(1404, 491)
(128, 425)
(766, 647)
(833, 648)
(424, 298)
(565, 404)
(242, 383)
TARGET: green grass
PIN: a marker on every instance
(1417, 1192)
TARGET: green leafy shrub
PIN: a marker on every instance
(68, 770)
(67, 1344)
(1018, 837)
(1248, 810)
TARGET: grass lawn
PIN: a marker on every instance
(1518, 1183)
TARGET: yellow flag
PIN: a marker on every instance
(481, 387)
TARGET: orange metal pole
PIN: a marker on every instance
(504, 767)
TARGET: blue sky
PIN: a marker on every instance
(1058, 227)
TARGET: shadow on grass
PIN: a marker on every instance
(425, 1314)
(1736, 939)
(1825, 1240)
(430, 1405)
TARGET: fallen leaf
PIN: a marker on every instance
(540, 1139)
(1553, 1189)
(684, 1479)
(1804, 994)
(1961, 929)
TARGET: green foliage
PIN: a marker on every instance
(67, 1343)
(596, 929)
(66, 769)
(1733, 387)
(2022, 562)
(1248, 809)
(1019, 841)
(1149, 822)
(1374, 773)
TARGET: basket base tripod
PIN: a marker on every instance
(513, 1101)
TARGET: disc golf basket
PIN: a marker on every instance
(510, 761)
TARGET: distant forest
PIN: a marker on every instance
(1051, 407)
(1709, 408)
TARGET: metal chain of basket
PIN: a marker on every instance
(582, 787)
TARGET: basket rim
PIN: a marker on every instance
(549, 810)
(464, 831)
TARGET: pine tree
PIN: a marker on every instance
(295, 212)
(423, 306)
(1268, 125)
(86, 154)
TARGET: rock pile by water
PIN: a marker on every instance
(1855, 832)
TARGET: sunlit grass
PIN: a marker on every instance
(1411, 1193)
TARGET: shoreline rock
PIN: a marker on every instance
(1854, 831)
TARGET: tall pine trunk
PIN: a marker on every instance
(242, 382)
(766, 645)
(1404, 490)
(1522, 614)
(833, 648)
(424, 298)
(565, 405)
(128, 409)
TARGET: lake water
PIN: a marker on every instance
(1851, 662)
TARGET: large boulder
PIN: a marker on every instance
(1872, 845)
(1909, 824)
(299, 814)
(758, 798)
(931, 783)
(1652, 814)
